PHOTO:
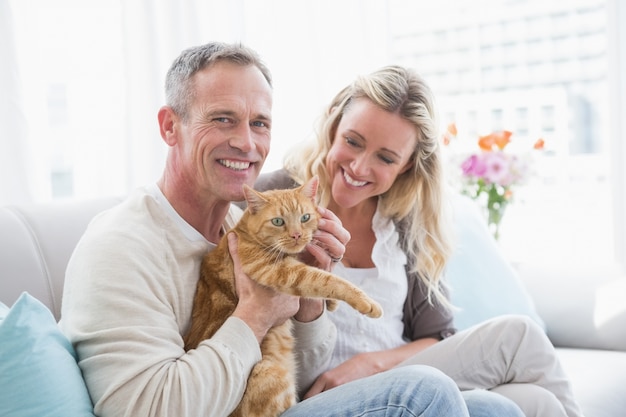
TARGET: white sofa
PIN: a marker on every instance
(588, 330)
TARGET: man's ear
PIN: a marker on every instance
(167, 122)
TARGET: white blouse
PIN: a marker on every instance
(387, 284)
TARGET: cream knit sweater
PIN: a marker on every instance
(127, 300)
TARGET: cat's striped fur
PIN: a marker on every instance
(273, 230)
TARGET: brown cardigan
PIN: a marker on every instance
(421, 318)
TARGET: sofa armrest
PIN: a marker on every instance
(582, 308)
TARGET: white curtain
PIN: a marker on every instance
(153, 34)
(15, 186)
(312, 48)
(617, 45)
(106, 63)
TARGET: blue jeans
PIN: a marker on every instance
(409, 391)
(482, 403)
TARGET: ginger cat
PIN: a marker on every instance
(273, 230)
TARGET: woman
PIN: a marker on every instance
(378, 159)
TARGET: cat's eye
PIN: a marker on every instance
(305, 218)
(277, 221)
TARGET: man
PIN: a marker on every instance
(131, 280)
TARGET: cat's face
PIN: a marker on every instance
(284, 220)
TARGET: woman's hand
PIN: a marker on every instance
(366, 364)
(359, 366)
(329, 242)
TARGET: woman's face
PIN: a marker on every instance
(370, 149)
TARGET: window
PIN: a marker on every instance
(522, 125)
(541, 68)
(543, 74)
(73, 94)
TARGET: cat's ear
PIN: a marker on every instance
(309, 189)
(255, 199)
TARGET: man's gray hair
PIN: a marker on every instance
(179, 86)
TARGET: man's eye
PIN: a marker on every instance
(277, 221)
(222, 119)
(259, 124)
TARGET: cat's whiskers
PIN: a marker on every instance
(275, 253)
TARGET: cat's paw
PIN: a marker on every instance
(375, 310)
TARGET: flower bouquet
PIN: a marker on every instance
(490, 174)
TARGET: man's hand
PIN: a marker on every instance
(260, 307)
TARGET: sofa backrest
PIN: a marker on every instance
(36, 242)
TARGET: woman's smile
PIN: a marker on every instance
(352, 181)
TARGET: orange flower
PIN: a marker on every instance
(486, 142)
(499, 139)
(449, 134)
(539, 144)
(503, 138)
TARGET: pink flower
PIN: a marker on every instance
(497, 169)
(473, 166)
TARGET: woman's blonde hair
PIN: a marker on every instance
(415, 200)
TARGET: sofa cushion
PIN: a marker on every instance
(483, 284)
(22, 266)
(583, 307)
(36, 243)
(39, 375)
(598, 380)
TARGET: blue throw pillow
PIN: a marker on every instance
(483, 284)
(39, 376)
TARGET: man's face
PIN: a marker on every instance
(226, 137)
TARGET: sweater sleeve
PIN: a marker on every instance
(314, 346)
(423, 317)
(275, 180)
